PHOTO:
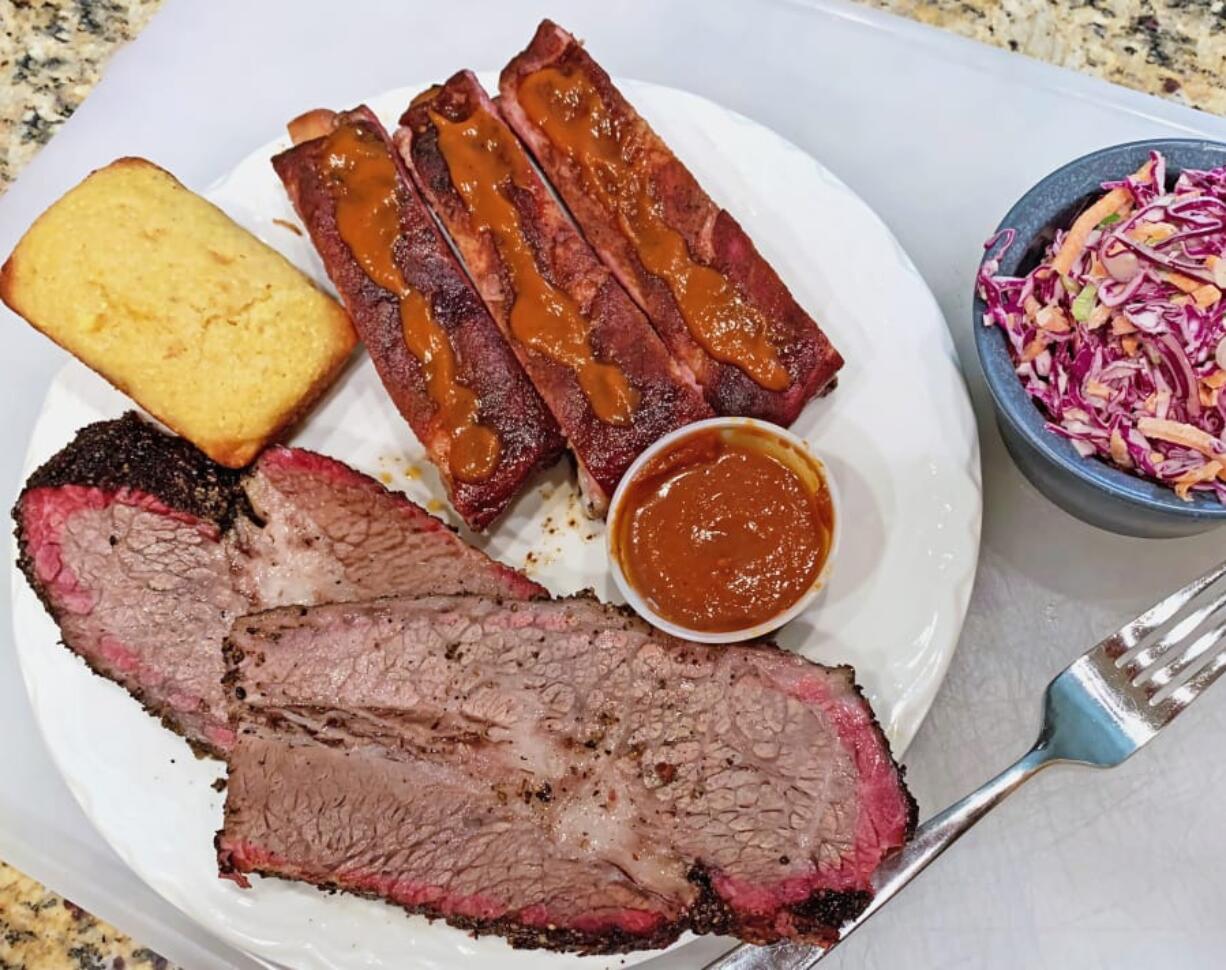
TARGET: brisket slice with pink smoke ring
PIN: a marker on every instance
(556, 772)
(144, 551)
(712, 237)
(618, 332)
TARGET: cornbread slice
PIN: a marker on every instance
(160, 292)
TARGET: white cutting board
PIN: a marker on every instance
(939, 135)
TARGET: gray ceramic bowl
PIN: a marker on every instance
(1088, 488)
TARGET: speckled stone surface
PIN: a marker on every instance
(52, 53)
(42, 931)
(1172, 48)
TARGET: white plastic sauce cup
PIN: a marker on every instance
(794, 450)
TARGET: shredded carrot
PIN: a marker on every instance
(1207, 472)
(1206, 296)
(1052, 319)
(1179, 433)
(1034, 348)
(1075, 241)
(1181, 282)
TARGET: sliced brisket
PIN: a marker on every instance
(569, 321)
(323, 533)
(121, 536)
(664, 237)
(144, 551)
(556, 772)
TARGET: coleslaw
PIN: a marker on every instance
(1119, 334)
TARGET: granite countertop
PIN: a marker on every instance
(52, 53)
(39, 929)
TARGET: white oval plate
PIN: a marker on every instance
(898, 435)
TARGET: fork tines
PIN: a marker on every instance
(1174, 650)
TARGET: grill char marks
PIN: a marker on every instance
(144, 552)
(535, 241)
(507, 404)
(589, 783)
(712, 238)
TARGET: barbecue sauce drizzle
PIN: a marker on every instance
(544, 318)
(364, 181)
(574, 117)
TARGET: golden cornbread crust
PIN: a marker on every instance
(157, 290)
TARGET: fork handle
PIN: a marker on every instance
(931, 839)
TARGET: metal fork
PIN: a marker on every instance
(1098, 712)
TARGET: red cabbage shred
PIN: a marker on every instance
(1126, 355)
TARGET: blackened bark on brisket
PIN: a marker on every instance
(144, 552)
(130, 453)
(555, 772)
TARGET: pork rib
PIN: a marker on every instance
(144, 551)
(534, 255)
(555, 772)
(659, 231)
(506, 403)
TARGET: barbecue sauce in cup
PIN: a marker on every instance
(724, 528)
